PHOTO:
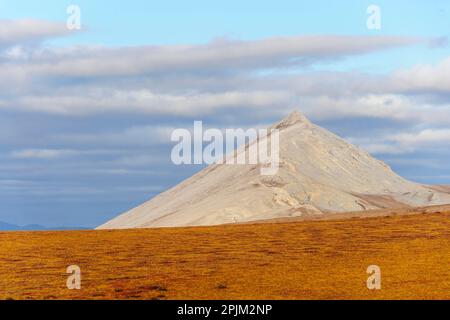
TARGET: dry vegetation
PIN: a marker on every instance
(296, 260)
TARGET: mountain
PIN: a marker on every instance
(319, 173)
(4, 226)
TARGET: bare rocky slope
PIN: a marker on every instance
(319, 173)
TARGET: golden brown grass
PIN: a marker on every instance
(296, 260)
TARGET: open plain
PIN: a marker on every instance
(276, 260)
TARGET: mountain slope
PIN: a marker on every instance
(319, 173)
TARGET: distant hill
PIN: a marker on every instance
(4, 226)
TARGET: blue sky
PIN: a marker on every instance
(85, 115)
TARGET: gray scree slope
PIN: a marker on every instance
(319, 173)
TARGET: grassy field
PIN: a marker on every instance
(295, 260)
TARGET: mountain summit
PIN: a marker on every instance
(319, 173)
(291, 119)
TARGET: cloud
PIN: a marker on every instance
(161, 80)
(419, 94)
(94, 101)
(132, 136)
(425, 137)
(425, 78)
(439, 42)
(224, 55)
(383, 147)
(57, 153)
(41, 153)
(201, 80)
(243, 78)
(406, 142)
(24, 31)
(380, 106)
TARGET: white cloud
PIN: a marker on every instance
(403, 143)
(384, 148)
(382, 106)
(222, 55)
(22, 31)
(425, 77)
(144, 101)
(133, 136)
(200, 80)
(57, 153)
(41, 153)
(424, 137)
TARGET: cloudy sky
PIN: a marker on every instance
(86, 115)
